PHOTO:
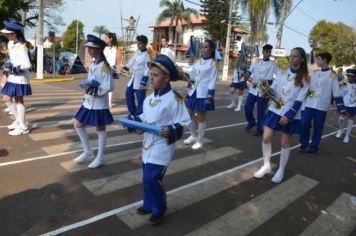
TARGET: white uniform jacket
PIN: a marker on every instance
(237, 76)
(102, 73)
(323, 84)
(164, 109)
(349, 94)
(138, 63)
(168, 52)
(204, 74)
(18, 54)
(262, 70)
(285, 89)
(110, 53)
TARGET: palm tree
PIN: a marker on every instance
(176, 13)
(100, 30)
(258, 12)
(286, 7)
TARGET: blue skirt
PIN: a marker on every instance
(198, 104)
(271, 120)
(239, 85)
(351, 110)
(94, 117)
(19, 90)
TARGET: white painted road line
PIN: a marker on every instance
(244, 219)
(95, 148)
(112, 183)
(117, 157)
(338, 219)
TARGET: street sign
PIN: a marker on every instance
(279, 52)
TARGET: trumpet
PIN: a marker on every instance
(123, 72)
(265, 88)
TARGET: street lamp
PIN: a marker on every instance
(77, 30)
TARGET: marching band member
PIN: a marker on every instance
(289, 89)
(137, 84)
(238, 84)
(348, 91)
(110, 53)
(261, 70)
(18, 76)
(95, 108)
(166, 50)
(200, 98)
(165, 108)
(323, 85)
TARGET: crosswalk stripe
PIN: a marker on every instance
(34, 115)
(116, 157)
(189, 196)
(70, 132)
(52, 102)
(55, 93)
(339, 219)
(49, 98)
(252, 214)
(74, 146)
(112, 183)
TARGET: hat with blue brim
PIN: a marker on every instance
(94, 42)
(11, 26)
(351, 72)
(167, 65)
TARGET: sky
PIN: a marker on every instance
(299, 22)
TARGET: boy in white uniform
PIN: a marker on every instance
(165, 108)
(166, 50)
(138, 81)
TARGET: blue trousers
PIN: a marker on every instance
(130, 100)
(154, 193)
(262, 103)
(318, 117)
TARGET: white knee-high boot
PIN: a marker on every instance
(348, 131)
(12, 107)
(266, 168)
(341, 127)
(283, 160)
(21, 113)
(238, 108)
(193, 133)
(99, 160)
(233, 101)
(201, 133)
(87, 155)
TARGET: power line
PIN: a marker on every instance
(309, 16)
(296, 31)
(194, 3)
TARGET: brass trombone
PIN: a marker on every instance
(265, 88)
(123, 72)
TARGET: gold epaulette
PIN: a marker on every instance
(20, 46)
(106, 68)
(178, 97)
(333, 75)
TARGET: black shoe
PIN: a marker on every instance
(250, 126)
(303, 148)
(258, 133)
(311, 153)
(141, 211)
(155, 220)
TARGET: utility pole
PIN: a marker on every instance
(281, 27)
(227, 45)
(39, 42)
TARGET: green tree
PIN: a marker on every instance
(100, 30)
(12, 9)
(338, 39)
(216, 13)
(258, 12)
(69, 36)
(176, 13)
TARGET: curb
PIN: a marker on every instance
(51, 80)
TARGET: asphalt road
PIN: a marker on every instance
(210, 191)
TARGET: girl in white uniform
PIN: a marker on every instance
(165, 108)
(110, 53)
(348, 91)
(290, 89)
(95, 109)
(200, 98)
(18, 82)
(238, 85)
